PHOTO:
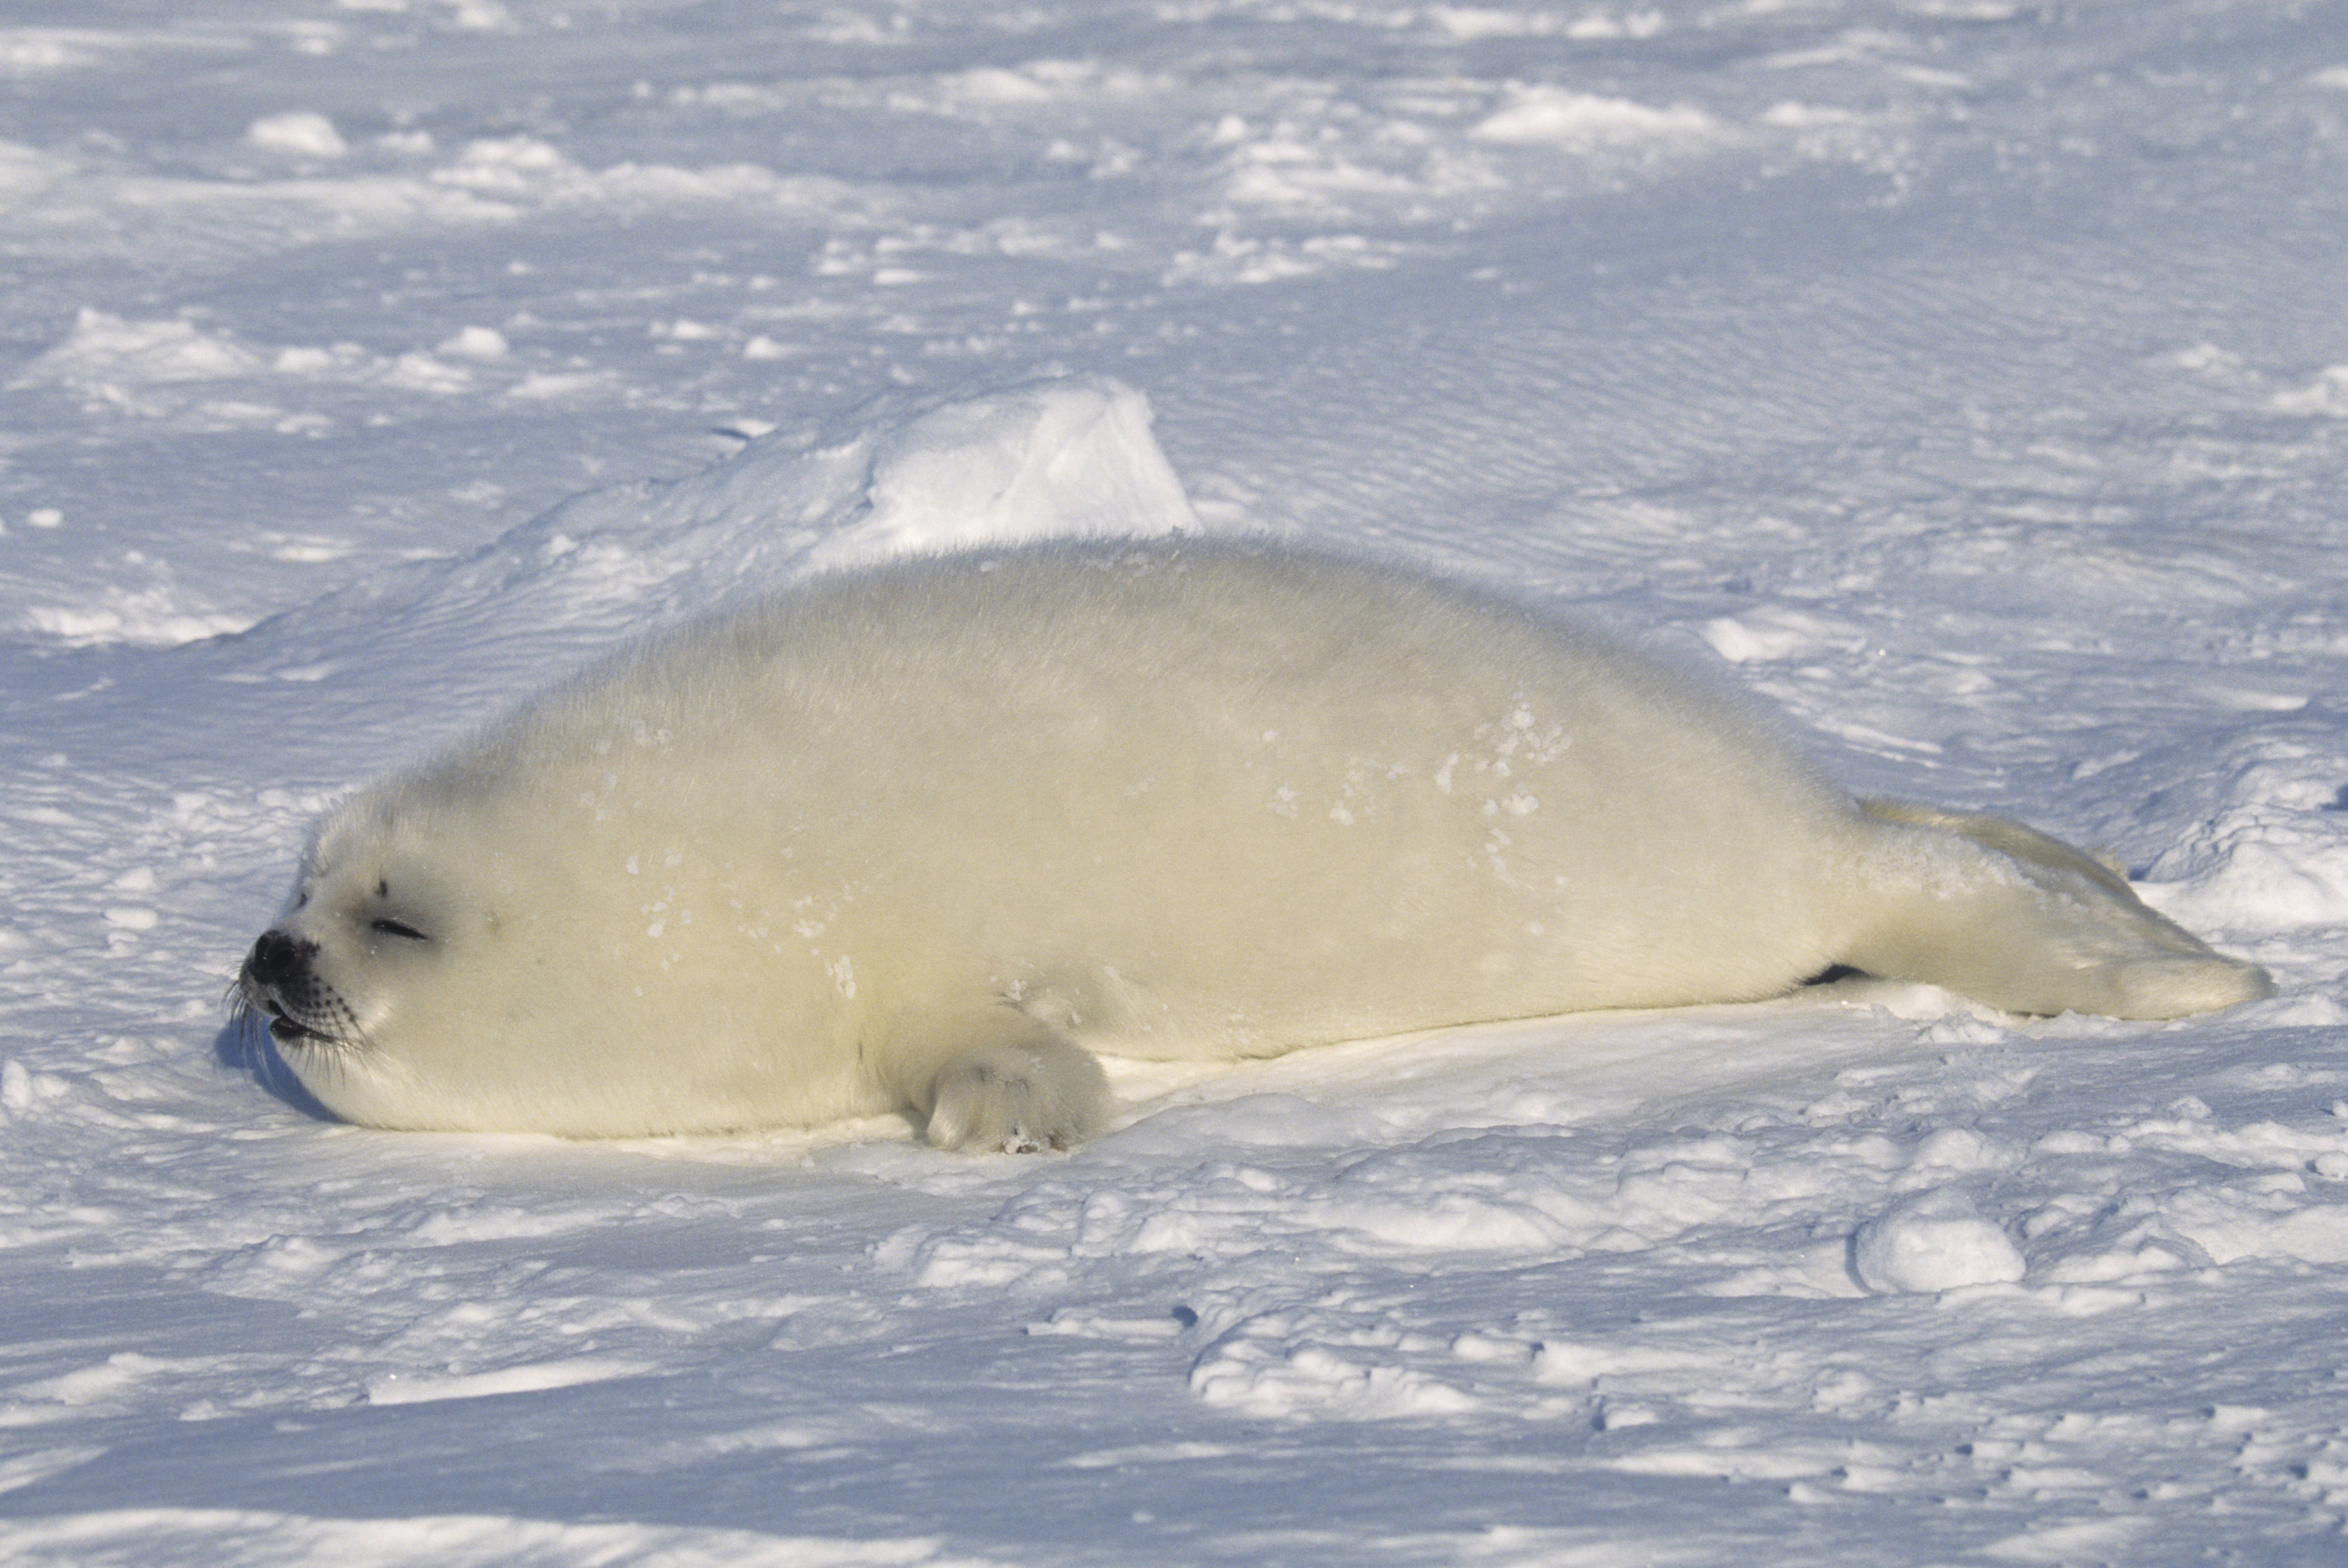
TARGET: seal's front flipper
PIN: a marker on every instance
(2009, 916)
(1018, 1097)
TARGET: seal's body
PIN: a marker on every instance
(925, 836)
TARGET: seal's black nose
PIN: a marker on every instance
(277, 958)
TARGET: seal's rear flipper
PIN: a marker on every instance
(1018, 1097)
(2009, 916)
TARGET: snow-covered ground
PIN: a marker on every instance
(1971, 374)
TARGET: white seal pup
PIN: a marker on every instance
(925, 836)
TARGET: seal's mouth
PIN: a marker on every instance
(286, 1031)
(283, 1028)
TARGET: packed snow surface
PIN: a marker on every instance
(1968, 377)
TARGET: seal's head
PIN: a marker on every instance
(347, 973)
(391, 980)
(467, 947)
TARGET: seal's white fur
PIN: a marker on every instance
(926, 835)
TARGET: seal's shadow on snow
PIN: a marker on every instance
(244, 1046)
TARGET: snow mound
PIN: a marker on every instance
(150, 617)
(1931, 1242)
(1062, 457)
(2270, 853)
(1545, 116)
(298, 133)
(105, 351)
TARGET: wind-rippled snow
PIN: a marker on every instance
(1970, 376)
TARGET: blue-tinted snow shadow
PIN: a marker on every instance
(243, 1046)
